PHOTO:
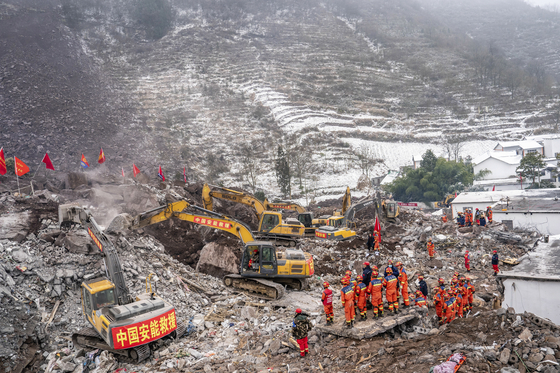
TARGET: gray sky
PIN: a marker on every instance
(544, 2)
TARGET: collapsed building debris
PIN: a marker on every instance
(42, 266)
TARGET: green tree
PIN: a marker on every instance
(425, 186)
(156, 16)
(283, 174)
(530, 167)
(429, 160)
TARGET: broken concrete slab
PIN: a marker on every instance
(370, 327)
(218, 260)
(15, 226)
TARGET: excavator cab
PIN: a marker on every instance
(336, 222)
(306, 219)
(259, 258)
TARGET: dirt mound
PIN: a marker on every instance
(180, 240)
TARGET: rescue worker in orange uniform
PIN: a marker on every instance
(354, 285)
(403, 281)
(420, 301)
(376, 240)
(454, 283)
(431, 248)
(465, 294)
(448, 308)
(347, 275)
(471, 288)
(327, 298)
(467, 261)
(489, 214)
(458, 292)
(391, 285)
(347, 297)
(444, 218)
(361, 298)
(375, 288)
(438, 303)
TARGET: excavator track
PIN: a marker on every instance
(88, 337)
(264, 289)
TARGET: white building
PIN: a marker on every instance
(550, 143)
(522, 147)
(535, 209)
(501, 164)
(531, 285)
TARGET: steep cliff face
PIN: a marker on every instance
(231, 80)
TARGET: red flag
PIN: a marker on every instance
(185, 174)
(21, 168)
(377, 226)
(135, 170)
(101, 157)
(160, 174)
(47, 161)
(494, 188)
(3, 168)
(84, 162)
(122, 171)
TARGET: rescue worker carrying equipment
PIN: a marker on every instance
(361, 297)
(403, 280)
(431, 248)
(495, 263)
(301, 326)
(391, 284)
(375, 288)
(327, 298)
(347, 297)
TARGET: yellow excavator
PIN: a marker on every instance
(391, 210)
(119, 323)
(271, 225)
(263, 268)
(339, 227)
(446, 202)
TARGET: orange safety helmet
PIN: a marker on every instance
(325, 284)
(420, 277)
(418, 292)
(348, 273)
(359, 277)
(375, 268)
(390, 261)
(388, 270)
(441, 281)
(399, 264)
(462, 278)
(454, 280)
(345, 281)
(375, 273)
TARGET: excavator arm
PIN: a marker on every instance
(360, 205)
(209, 192)
(75, 214)
(185, 211)
(291, 206)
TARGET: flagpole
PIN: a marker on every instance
(17, 177)
(36, 172)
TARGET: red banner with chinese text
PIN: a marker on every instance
(145, 331)
(320, 235)
(212, 223)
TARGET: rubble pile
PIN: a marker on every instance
(42, 266)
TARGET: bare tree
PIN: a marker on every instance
(453, 145)
(251, 165)
(513, 79)
(366, 159)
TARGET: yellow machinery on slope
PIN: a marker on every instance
(263, 269)
(391, 210)
(446, 201)
(271, 225)
(339, 227)
(121, 324)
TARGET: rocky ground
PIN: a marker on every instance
(42, 267)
